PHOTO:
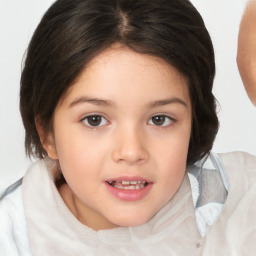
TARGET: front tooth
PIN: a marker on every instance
(129, 182)
(116, 186)
(129, 188)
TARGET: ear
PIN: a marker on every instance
(47, 139)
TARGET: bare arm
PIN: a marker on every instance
(246, 53)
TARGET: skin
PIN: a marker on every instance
(246, 52)
(126, 89)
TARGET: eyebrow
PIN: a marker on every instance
(94, 101)
(103, 102)
(164, 102)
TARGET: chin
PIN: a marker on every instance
(131, 221)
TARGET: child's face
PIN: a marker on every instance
(121, 135)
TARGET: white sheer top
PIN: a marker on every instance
(35, 221)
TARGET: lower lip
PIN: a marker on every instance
(129, 195)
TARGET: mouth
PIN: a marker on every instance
(129, 188)
(128, 185)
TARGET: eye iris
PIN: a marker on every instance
(94, 120)
(158, 120)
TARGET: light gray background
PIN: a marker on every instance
(18, 19)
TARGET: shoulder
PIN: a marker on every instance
(239, 210)
(239, 160)
(11, 201)
(13, 235)
(240, 167)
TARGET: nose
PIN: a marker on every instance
(130, 147)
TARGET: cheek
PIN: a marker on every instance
(173, 170)
(172, 158)
(81, 154)
(78, 155)
(173, 166)
(80, 165)
(76, 144)
(173, 149)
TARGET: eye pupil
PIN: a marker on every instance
(94, 120)
(158, 120)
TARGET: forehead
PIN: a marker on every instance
(119, 69)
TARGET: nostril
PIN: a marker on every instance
(130, 149)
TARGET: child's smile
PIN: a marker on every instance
(129, 188)
(121, 135)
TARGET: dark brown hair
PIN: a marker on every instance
(73, 32)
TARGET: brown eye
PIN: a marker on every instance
(95, 121)
(160, 120)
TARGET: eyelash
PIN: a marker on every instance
(170, 121)
(95, 116)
